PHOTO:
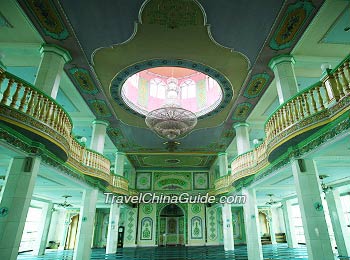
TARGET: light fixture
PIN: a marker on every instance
(65, 204)
(256, 141)
(324, 186)
(271, 201)
(171, 120)
(81, 139)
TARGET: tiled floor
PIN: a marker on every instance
(280, 252)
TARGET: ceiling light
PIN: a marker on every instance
(65, 204)
(271, 201)
(171, 120)
(324, 186)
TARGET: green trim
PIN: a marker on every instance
(17, 79)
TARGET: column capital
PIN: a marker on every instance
(222, 154)
(235, 126)
(100, 122)
(57, 50)
(279, 59)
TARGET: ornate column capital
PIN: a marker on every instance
(279, 59)
(57, 50)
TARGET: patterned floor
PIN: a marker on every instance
(273, 252)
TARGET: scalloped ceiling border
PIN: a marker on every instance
(171, 31)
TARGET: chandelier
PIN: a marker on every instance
(171, 120)
(65, 204)
(324, 186)
(271, 201)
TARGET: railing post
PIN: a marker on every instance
(331, 86)
(15, 95)
(7, 91)
(24, 98)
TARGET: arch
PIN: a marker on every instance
(171, 225)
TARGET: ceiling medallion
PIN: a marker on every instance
(171, 120)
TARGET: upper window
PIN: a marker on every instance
(191, 89)
(157, 88)
(188, 89)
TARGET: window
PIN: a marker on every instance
(134, 80)
(188, 89)
(157, 88)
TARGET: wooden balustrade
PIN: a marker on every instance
(22, 97)
(334, 86)
(306, 103)
(25, 98)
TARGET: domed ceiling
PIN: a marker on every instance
(228, 41)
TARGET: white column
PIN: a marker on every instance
(309, 196)
(50, 69)
(340, 229)
(99, 128)
(286, 83)
(43, 232)
(223, 164)
(289, 225)
(251, 224)
(86, 225)
(15, 202)
(67, 221)
(227, 228)
(119, 163)
(112, 236)
(242, 137)
(271, 229)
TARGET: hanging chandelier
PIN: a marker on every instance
(171, 120)
(65, 204)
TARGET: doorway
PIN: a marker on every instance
(172, 226)
(72, 232)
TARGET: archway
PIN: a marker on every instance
(72, 232)
(172, 226)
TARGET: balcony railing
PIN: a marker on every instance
(27, 108)
(307, 110)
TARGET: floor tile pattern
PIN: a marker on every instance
(270, 252)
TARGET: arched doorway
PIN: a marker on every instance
(72, 232)
(172, 226)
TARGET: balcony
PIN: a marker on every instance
(35, 123)
(306, 114)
